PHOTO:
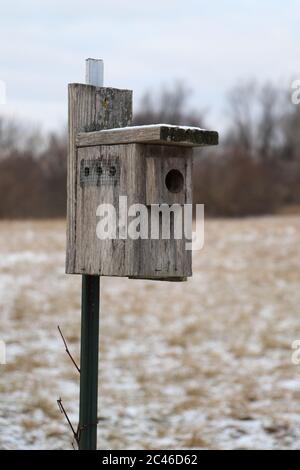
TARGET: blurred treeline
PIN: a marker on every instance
(33, 170)
(254, 170)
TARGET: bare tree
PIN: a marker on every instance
(255, 114)
(241, 108)
(267, 126)
(18, 137)
(169, 106)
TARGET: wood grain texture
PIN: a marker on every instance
(90, 109)
(104, 257)
(140, 258)
(160, 160)
(155, 134)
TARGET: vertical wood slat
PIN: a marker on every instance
(90, 108)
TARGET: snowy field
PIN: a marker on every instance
(201, 364)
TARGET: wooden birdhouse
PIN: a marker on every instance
(122, 182)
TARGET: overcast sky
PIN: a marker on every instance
(210, 45)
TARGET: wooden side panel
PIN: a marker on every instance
(166, 259)
(90, 109)
(168, 166)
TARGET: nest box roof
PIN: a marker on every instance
(163, 134)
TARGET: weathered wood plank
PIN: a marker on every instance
(154, 134)
(160, 162)
(109, 257)
(82, 116)
(90, 109)
(166, 259)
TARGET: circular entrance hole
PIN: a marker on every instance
(174, 181)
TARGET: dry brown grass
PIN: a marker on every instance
(202, 364)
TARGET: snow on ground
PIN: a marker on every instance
(201, 364)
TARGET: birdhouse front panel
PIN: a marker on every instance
(140, 174)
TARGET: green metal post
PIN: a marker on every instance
(88, 407)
